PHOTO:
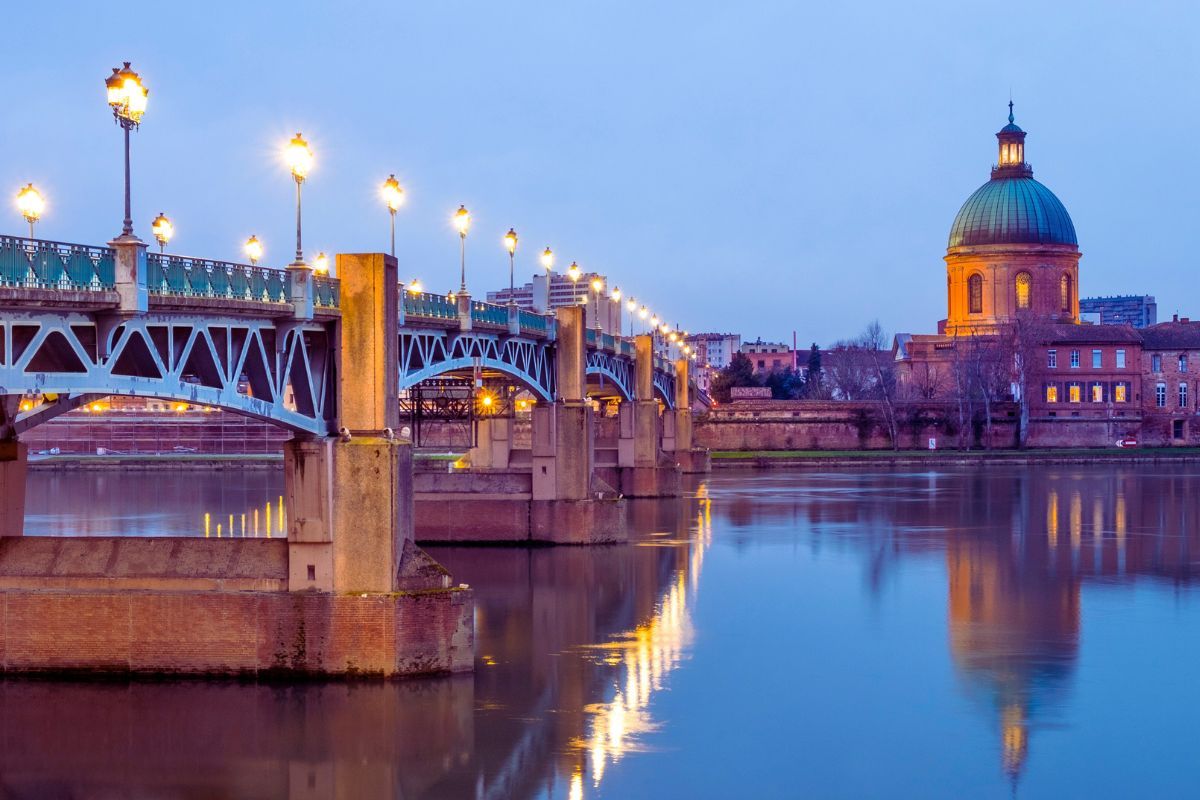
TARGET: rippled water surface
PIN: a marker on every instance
(975, 633)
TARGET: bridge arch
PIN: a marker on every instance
(193, 359)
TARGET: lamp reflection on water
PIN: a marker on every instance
(230, 530)
(646, 656)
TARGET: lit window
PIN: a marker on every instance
(1183, 395)
(1074, 393)
(1119, 393)
(1051, 358)
(1183, 362)
(1052, 394)
(1097, 393)
(1156, 362)
(975, 294)
(1160, 395)
(1074, 359)
(1096, 359)
(1120, 359)
(1023, 290)
(1064, 291)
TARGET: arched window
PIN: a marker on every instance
(1064, 292)
(975, 294)
(1024, 290)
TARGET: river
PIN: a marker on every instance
(976, 632)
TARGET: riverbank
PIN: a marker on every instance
(778, 459)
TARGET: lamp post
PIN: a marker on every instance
(127, 98)
(321, 264)
(510, 244)
(616, 298)
(31, 204)
(642, 315)
(253, 250)
(631, 306)
(163, 230)
(393, 198)
(548, 259)
(597, 288)
(462, 223)
(299, 160)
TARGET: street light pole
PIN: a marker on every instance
(462, 221)
(510, 243)
(299, 158)
(127, 98)
(393, 197)
(31, 204)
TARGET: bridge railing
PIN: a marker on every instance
(424, 305)
(180, 276)
(327, 291)
(532, 322)
(489, 314)
(41, 264)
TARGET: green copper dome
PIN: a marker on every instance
(1012, 210)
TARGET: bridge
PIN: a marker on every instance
(328, 359)
(253, 340)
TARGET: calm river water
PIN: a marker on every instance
(952, 633)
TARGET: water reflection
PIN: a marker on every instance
(1020, 544)
(577, 647)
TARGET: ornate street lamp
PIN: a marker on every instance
(414, 286)
(127, 98)
(548, 259)
(393, 198)
(299, 159)
(631, 306)
(31, 204)
(462, 224)
(254, 250)
(321, 264)
(163, 230)
(573, 272)
(597, 288)
(510, 244)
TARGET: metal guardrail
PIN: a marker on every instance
(533, 323)
(489, 314)
(179, 276)
(41, 264)
(327, 292)
(424, 305)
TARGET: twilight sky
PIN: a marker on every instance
(758, 167)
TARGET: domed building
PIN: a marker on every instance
(1012, 250)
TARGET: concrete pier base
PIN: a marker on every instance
(14, 465)
(186, 606)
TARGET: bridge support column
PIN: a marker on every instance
(493, 443)
(568, 506)
(350, 498)
(14, 463)
(677, 433)
(645, 472)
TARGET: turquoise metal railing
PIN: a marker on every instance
(489, 314)
(608, 342)
(532, 322)
(429, 306)
(200, 277)
(40, 264)
(327, 291)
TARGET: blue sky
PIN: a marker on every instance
(760, 167)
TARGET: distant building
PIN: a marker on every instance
(768, 356)
(1139, 310)
(715, 350)
(549, 291)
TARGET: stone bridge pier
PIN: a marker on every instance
(348, 593)
(549, 493)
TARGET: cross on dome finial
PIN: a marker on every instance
(1010, 112)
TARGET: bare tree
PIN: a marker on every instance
(873, 345)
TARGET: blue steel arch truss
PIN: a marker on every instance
(281, 372)
(427, 354)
